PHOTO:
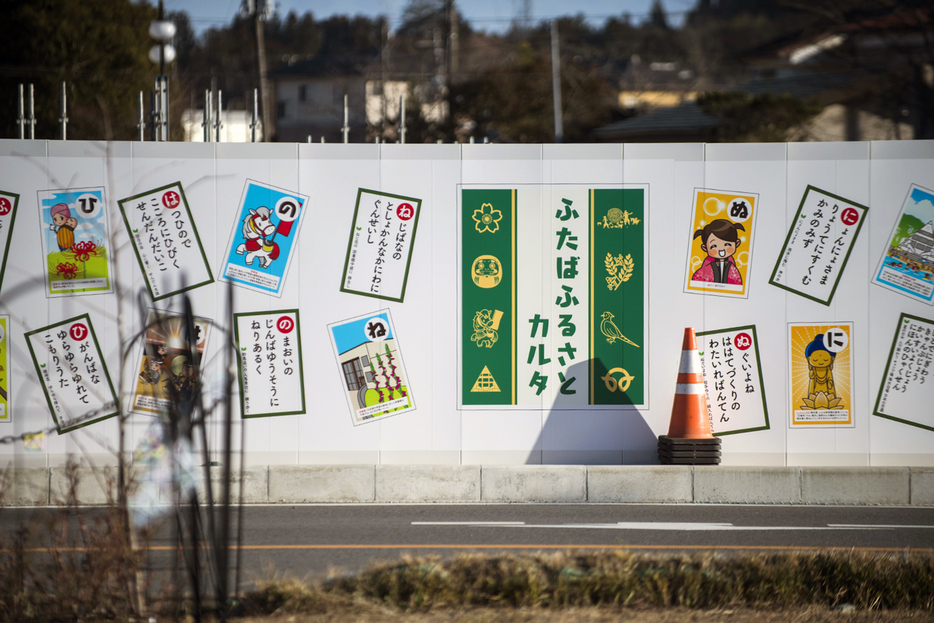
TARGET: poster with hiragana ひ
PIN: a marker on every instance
(821, 375)
(75, 234)
(264, 236)
(907, 391)
(907, 265)
(5, 400)
(719, 259)
(8, 204)
(372, 373)
(169, 363)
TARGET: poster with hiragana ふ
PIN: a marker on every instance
(75, 233)
(262, 242)
(719, 258)
(907, 391)
(821, 375)
(907, 265)
(372, 373)
(5, 400)
(8, 205)
(169, 369)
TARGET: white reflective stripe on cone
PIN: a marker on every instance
(690, 362)
(689, 388)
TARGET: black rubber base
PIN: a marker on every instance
(672, 451)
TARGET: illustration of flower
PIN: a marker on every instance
(820, 400)
(66, 270)
(487, 218)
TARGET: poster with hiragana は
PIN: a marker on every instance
(818, 245)
(372, 372)
(264, 238)
(8, 204)
(270, 350)
(166, 241)
(733, 380)
(720, 248)
(379, 251)
(75, 231)
(6, 401)
(72, 372)
(821, 375)
(907, 264)
(170, 362)
(907, 391)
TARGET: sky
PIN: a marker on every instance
(488, 15)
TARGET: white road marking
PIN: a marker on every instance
(664, 526)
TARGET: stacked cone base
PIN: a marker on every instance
(676, 451)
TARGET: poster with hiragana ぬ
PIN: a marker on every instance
(372, 373)
(818, 245)
(169, 363)
(379, 251)
(166, 241)
(8, 204)
(907, 391)
(263, 239)
(6, 401)
(733, 380)
(720, 249)
(72, 372)
(907, 265)
(75, 234)
(270, 351)
(821, 375)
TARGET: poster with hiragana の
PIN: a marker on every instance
(821, 375)
(270, 352)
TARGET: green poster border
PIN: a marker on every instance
(301, 363)
(45, 389)
(139, 258)
(408, 260)
(846, 259)
(765, 407)
(888, 364)
(5, 361)
(9, 238)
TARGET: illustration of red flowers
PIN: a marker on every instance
(66, 270)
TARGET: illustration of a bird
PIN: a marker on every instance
(611, 331)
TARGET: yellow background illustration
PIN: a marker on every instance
(799, 338)
(710, 205)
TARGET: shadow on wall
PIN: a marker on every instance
(612, 435)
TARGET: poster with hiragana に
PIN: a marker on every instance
(75, 234)
(169, 367)
(6, 401)
(720, 248)
(270, 351)
(907, 391)
(166, 241)
(733, 380)
(379, 251)
(263, 239)
(821, 375)
(72, 372)
(8, 203)
(372, 373)
(907, 265)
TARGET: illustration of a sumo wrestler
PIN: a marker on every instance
(486, 271)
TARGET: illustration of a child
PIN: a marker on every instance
(63, 223)
(719, 241)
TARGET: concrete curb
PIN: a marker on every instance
(649, 484)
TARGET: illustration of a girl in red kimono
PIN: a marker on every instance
(719, 241)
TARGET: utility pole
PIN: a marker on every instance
(258, 10)
(556, 81)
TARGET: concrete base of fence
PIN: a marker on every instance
(362, 484)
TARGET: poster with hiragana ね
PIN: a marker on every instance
(75, 234)
(371, 369)
(264, 236)
(907, 265)
(733, 380)
(821, 375)
(8, 204)
(719, 259)
(907, 391)
(270, 350)
(5, 400)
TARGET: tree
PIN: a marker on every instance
(657, 16)
(756, 118)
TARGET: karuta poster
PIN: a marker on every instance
(169, 362)
(720, 247)
(264, 236)
(166, 241)
(818, 245)
(6, 402)
(72, 373)
(8, 204)
(382, 238)
(907, 264)
(75, 241)
(907, 391)
(372, 373)
(821, 375)
(270, 351)
(553, 296)
(733, 380)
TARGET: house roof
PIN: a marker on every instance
(326, 66)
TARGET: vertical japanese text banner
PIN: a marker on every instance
(270, 351)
